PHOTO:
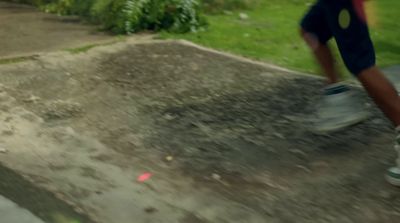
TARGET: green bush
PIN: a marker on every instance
(128, 16)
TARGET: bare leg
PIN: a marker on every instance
(387, 99)
(324, 56)
(382, 92)
(336, 100)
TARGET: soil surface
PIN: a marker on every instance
(24, 31)
(163, 131)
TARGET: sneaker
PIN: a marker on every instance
(338, 109)
(393, 176)
(393, 173)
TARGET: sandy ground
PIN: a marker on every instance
(25, 31)
(225, 140)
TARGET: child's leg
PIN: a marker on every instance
(386, 97)
(355, 45)
(358, 53)
(316, 33)
(338, 108)
(388, 100)
(323, 54)
(382, 92)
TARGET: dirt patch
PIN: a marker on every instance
(226, 140)
(27, 31)
(61, 110)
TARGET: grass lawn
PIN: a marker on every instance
(271, 34)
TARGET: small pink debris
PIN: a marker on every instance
(144, 177)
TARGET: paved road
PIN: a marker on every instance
(12, 213)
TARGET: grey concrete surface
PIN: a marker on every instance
(12, 213)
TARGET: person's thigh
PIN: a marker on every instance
(314, 23)
(351, 33)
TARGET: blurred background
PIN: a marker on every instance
(261, 29)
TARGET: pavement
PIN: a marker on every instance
(10, 212)
(25, 33)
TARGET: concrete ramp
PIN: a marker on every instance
(224, 139)
(151, 131)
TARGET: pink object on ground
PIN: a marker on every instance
(144, 177)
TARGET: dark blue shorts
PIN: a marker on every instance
(341, 20)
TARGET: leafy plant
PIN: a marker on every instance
(129, 16)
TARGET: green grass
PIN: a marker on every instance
(82, 49)
(86, 48)
(16, 59)
(271, 34)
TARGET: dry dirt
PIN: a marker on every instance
(24, 31)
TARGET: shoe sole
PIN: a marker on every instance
(340, 126)
(392, 180)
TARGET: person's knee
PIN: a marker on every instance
(303, 33)
(311, 39)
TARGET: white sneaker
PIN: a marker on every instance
(393, 176)
(339, 110)
(393, 173)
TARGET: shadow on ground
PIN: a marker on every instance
(40, 202)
